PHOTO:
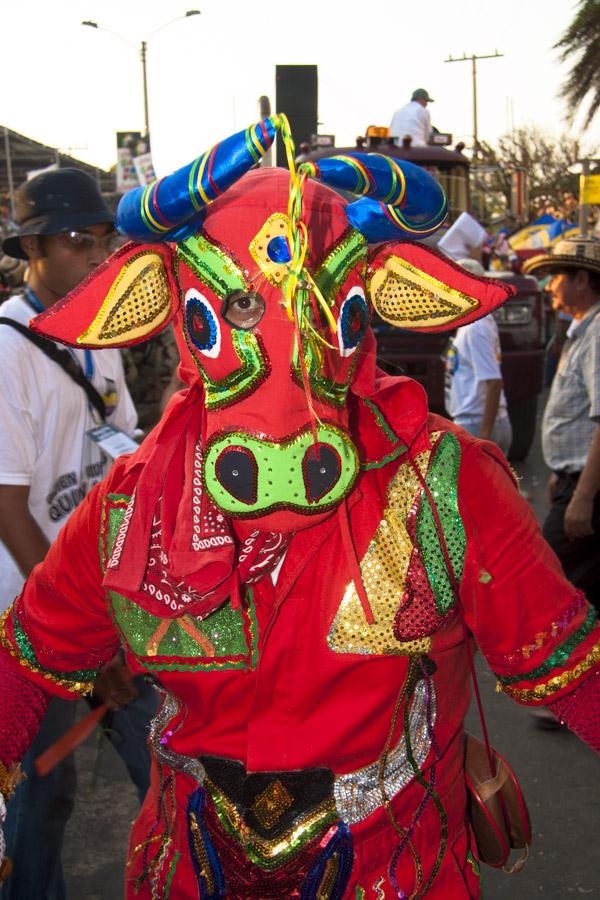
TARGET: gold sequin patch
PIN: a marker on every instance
(276, 226)
(410, 298)
(137, 303)
(271, 804)
(383, 568)
(554, 684)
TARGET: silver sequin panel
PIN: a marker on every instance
(358, 794)
(169, 708)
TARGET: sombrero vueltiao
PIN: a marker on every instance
(571, 253)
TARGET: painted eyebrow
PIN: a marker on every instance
(333, 271)
(212, 265)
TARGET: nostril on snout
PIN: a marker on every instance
(237, 471)
(321, 468)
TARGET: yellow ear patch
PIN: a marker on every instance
(137, 303)
(410, 298)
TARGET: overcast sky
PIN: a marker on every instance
(73, 87)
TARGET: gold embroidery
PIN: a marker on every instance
(9, 779)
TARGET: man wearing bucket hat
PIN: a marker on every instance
(570, 432)
(413, 120)
(47, 465)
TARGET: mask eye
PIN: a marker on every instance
(353, 321)
(202, 324)
(243, 309)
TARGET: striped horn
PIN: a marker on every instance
(399, 199)
(172, 207)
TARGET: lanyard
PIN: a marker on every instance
(35, 303)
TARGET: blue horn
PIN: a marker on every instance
(399, 199)
(172, 208)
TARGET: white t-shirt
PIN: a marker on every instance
(412, 119)
(43, 419)
(472, 358)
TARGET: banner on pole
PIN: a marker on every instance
(589, 190)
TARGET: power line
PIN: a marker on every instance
(473, 59)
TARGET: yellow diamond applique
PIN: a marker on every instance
(269, 806)
(270, 246)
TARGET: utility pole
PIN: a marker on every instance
(143, 50)
(474, 58)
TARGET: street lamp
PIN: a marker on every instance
(89, 23)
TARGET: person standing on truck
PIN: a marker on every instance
(475, 396)
(570, 432)
(413, 120)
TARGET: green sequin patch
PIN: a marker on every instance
(391, 435)
(442, 481)
(212, 266)
(28, 653)
(233, 633)
(334, 270)
(561, 655)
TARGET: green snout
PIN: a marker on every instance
(247, 476)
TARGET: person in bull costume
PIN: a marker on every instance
(296, 551)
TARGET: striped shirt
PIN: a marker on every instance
(573, 410)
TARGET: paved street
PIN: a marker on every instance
(560, 778)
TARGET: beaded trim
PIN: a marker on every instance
(555, 684)
(9, 779)
(63, 679)
(169, 708)
(358, 794)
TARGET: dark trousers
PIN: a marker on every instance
(580, 558)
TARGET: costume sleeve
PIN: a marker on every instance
(538, 633)
(59, 629)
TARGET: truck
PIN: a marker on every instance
(521, 320)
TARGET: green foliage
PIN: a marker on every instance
(580, 44)
(546, 160)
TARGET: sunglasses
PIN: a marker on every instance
(82, 240)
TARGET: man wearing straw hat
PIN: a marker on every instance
(570, 433)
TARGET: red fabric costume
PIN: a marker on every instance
(312, 658)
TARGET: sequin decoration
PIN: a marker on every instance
(410, 298)
(358, 794)
(271, 804)
(225, 639)
(78, 682)
(554, 630)
(266, 249)
(169, 710)
(254, 368)
(554, 684)
(139, 297)
(271, 853)
(280, 471)
(213, 265)
(384, 568)
(559, 657)
(209, 872)
(350, 251)
(442, 480)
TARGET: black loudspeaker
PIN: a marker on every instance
(296, 95)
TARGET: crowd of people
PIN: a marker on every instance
(277, 555)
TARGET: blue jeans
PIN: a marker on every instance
(40, 808)
(501, 432)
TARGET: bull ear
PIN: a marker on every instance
(127, 299)
(414, 287)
